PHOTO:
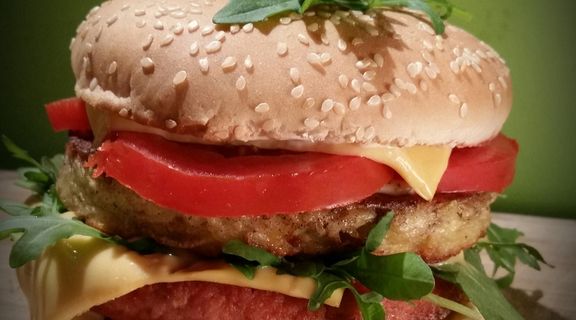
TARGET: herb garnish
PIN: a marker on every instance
(36, 227)
(242, 11)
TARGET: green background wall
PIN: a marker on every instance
(536, 38)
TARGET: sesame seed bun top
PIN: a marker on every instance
(328, 76)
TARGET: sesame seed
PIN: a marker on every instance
(295, 75)
(387, 112)
(314, 59)
(167, 40)
(431, 71)
(339, 108)
(374, 100)
(369, 75)
(324, 39)
(502, 82)
(423, 85)
(498, 99)
(454, 66)
(147, 65)
(88, 48)
(311, 123)
(93, 84)
(343, 81)
(178, 14)
(454, 98)
(177, 29)
(426, 56)
(281, 48)
(313, 27)
(249, 27)
(361, 65)
(112, 68)
(170, 124)
(141, 24)
(463, 110)
(400, 83)
(269, 125)
(229, 63)
(123, 112)
(395, 91)
(234, 28)
(111, 20)
(309, 103)
(357, 41)
(369, 133)
(213, 46)
(327, 105)
(356, 86)
(207, 30)
(480, 54)
(303, 39)
(248, 63)
(414, 69)
(354, 103)
(379, 59)
(342, 45)
(148, 42)
(297, 91)
(492, 87)
(139, 12)
(310, 13)
(456, 52)
(427, 45)
(158, 25)
(359, 134)
(99, 33)
(387, 97)
(220, 36)
(204, 65)
(180, 78)
(410, 87)
(241, 83)
(262, 107)
(194, 48)
(285, 20)
(325, 58)
(193, 26)
(295, 16)
(369, 87)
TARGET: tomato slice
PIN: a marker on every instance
(197, 180)
(68, 114)
(489, 167)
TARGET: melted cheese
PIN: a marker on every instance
(81, 272)
(421, 167)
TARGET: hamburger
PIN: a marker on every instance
(326, 165)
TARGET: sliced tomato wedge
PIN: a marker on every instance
(198, 180)
(68, 114)
(489, 167)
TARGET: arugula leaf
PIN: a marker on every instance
(14, 208)
(480, 289)
(401, 276)
(240, 249)
(18, 152)
(504, 251)
(378, 233)
(370, 305)
(326, 284)
(241, 11)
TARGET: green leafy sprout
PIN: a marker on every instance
(242, 11)
(401, 276)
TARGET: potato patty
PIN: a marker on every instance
(435, 230)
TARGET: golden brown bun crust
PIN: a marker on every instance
(336, 77)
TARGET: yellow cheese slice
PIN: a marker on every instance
(421, 167)
(81, 272)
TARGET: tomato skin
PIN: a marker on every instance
(68, 114)
(488, 168)
(195, 180)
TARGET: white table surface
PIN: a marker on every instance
(544, 295)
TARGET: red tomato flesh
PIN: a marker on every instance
(68, 114)
(489, 167)
(197, 180)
